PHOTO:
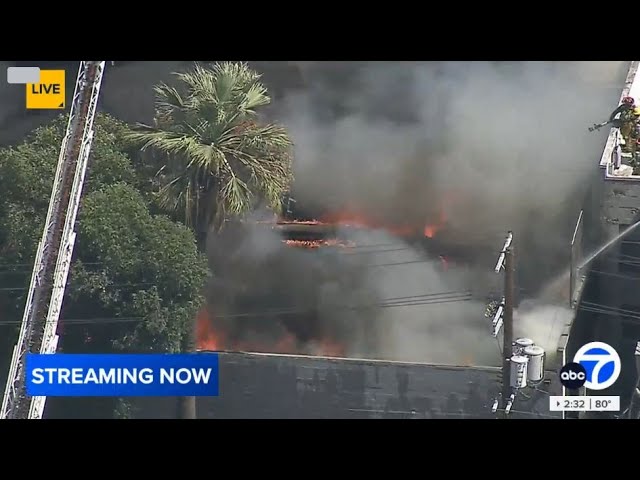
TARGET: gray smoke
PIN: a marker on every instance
(433, 309)
(264, 291)
(381, 299)
(496, 146)
(501, 146)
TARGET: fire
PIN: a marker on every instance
(206, 337)
(287, 344)
(334, 242)
(329, 348)
(350, 218)
(430, 230)
(297, 222)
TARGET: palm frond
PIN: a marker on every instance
(213, 148)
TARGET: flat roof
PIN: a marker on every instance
(357, 360)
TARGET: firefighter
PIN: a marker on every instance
(627, 104)
(634, 134)
(624, 118)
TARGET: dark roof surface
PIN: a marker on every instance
(285, 386)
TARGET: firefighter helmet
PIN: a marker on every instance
(628, 101)
(636, 111)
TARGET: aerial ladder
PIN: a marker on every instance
(38, 331)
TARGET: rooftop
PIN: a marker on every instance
(294, 386)
(613, 161)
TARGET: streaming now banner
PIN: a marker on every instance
(70, 375)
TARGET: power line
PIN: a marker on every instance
(29, 266)
(609, 307)
(408, 262)
(633, 319)
(611, 312)
(616, 275)
(623, 259)
(601, 309)
(388, 250)
(408, 301)
(268, 313)
(347, 251)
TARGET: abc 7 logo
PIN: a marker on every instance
(603, 364)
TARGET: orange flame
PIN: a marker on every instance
(334, 242)
(430, 230)
(206, 337)
(330, 348)
(351, 218)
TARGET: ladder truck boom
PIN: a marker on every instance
(53, 257)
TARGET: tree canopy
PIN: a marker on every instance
(136, 279)
(137, 276)
(216, 160)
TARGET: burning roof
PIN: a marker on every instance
(333, 242)
(354, 220)
(279, 302)
(211, 337)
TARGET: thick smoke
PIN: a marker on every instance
(433, 309)
(501, 146)
(380, 299)
(264, 292)
(496, 146)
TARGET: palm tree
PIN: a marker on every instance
(217, 161)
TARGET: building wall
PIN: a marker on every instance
(286, 386)
(612, 276)
(619, 207)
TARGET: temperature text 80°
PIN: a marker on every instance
(584, 404)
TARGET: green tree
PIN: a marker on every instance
(140, 273)
(216, 160)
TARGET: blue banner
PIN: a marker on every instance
(70, 375)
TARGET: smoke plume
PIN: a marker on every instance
(267, 295)
(501, 146)
(491, 147)
(382, 298)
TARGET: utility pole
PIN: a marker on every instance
(507, 344)
(503, 317)
(522, 360)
